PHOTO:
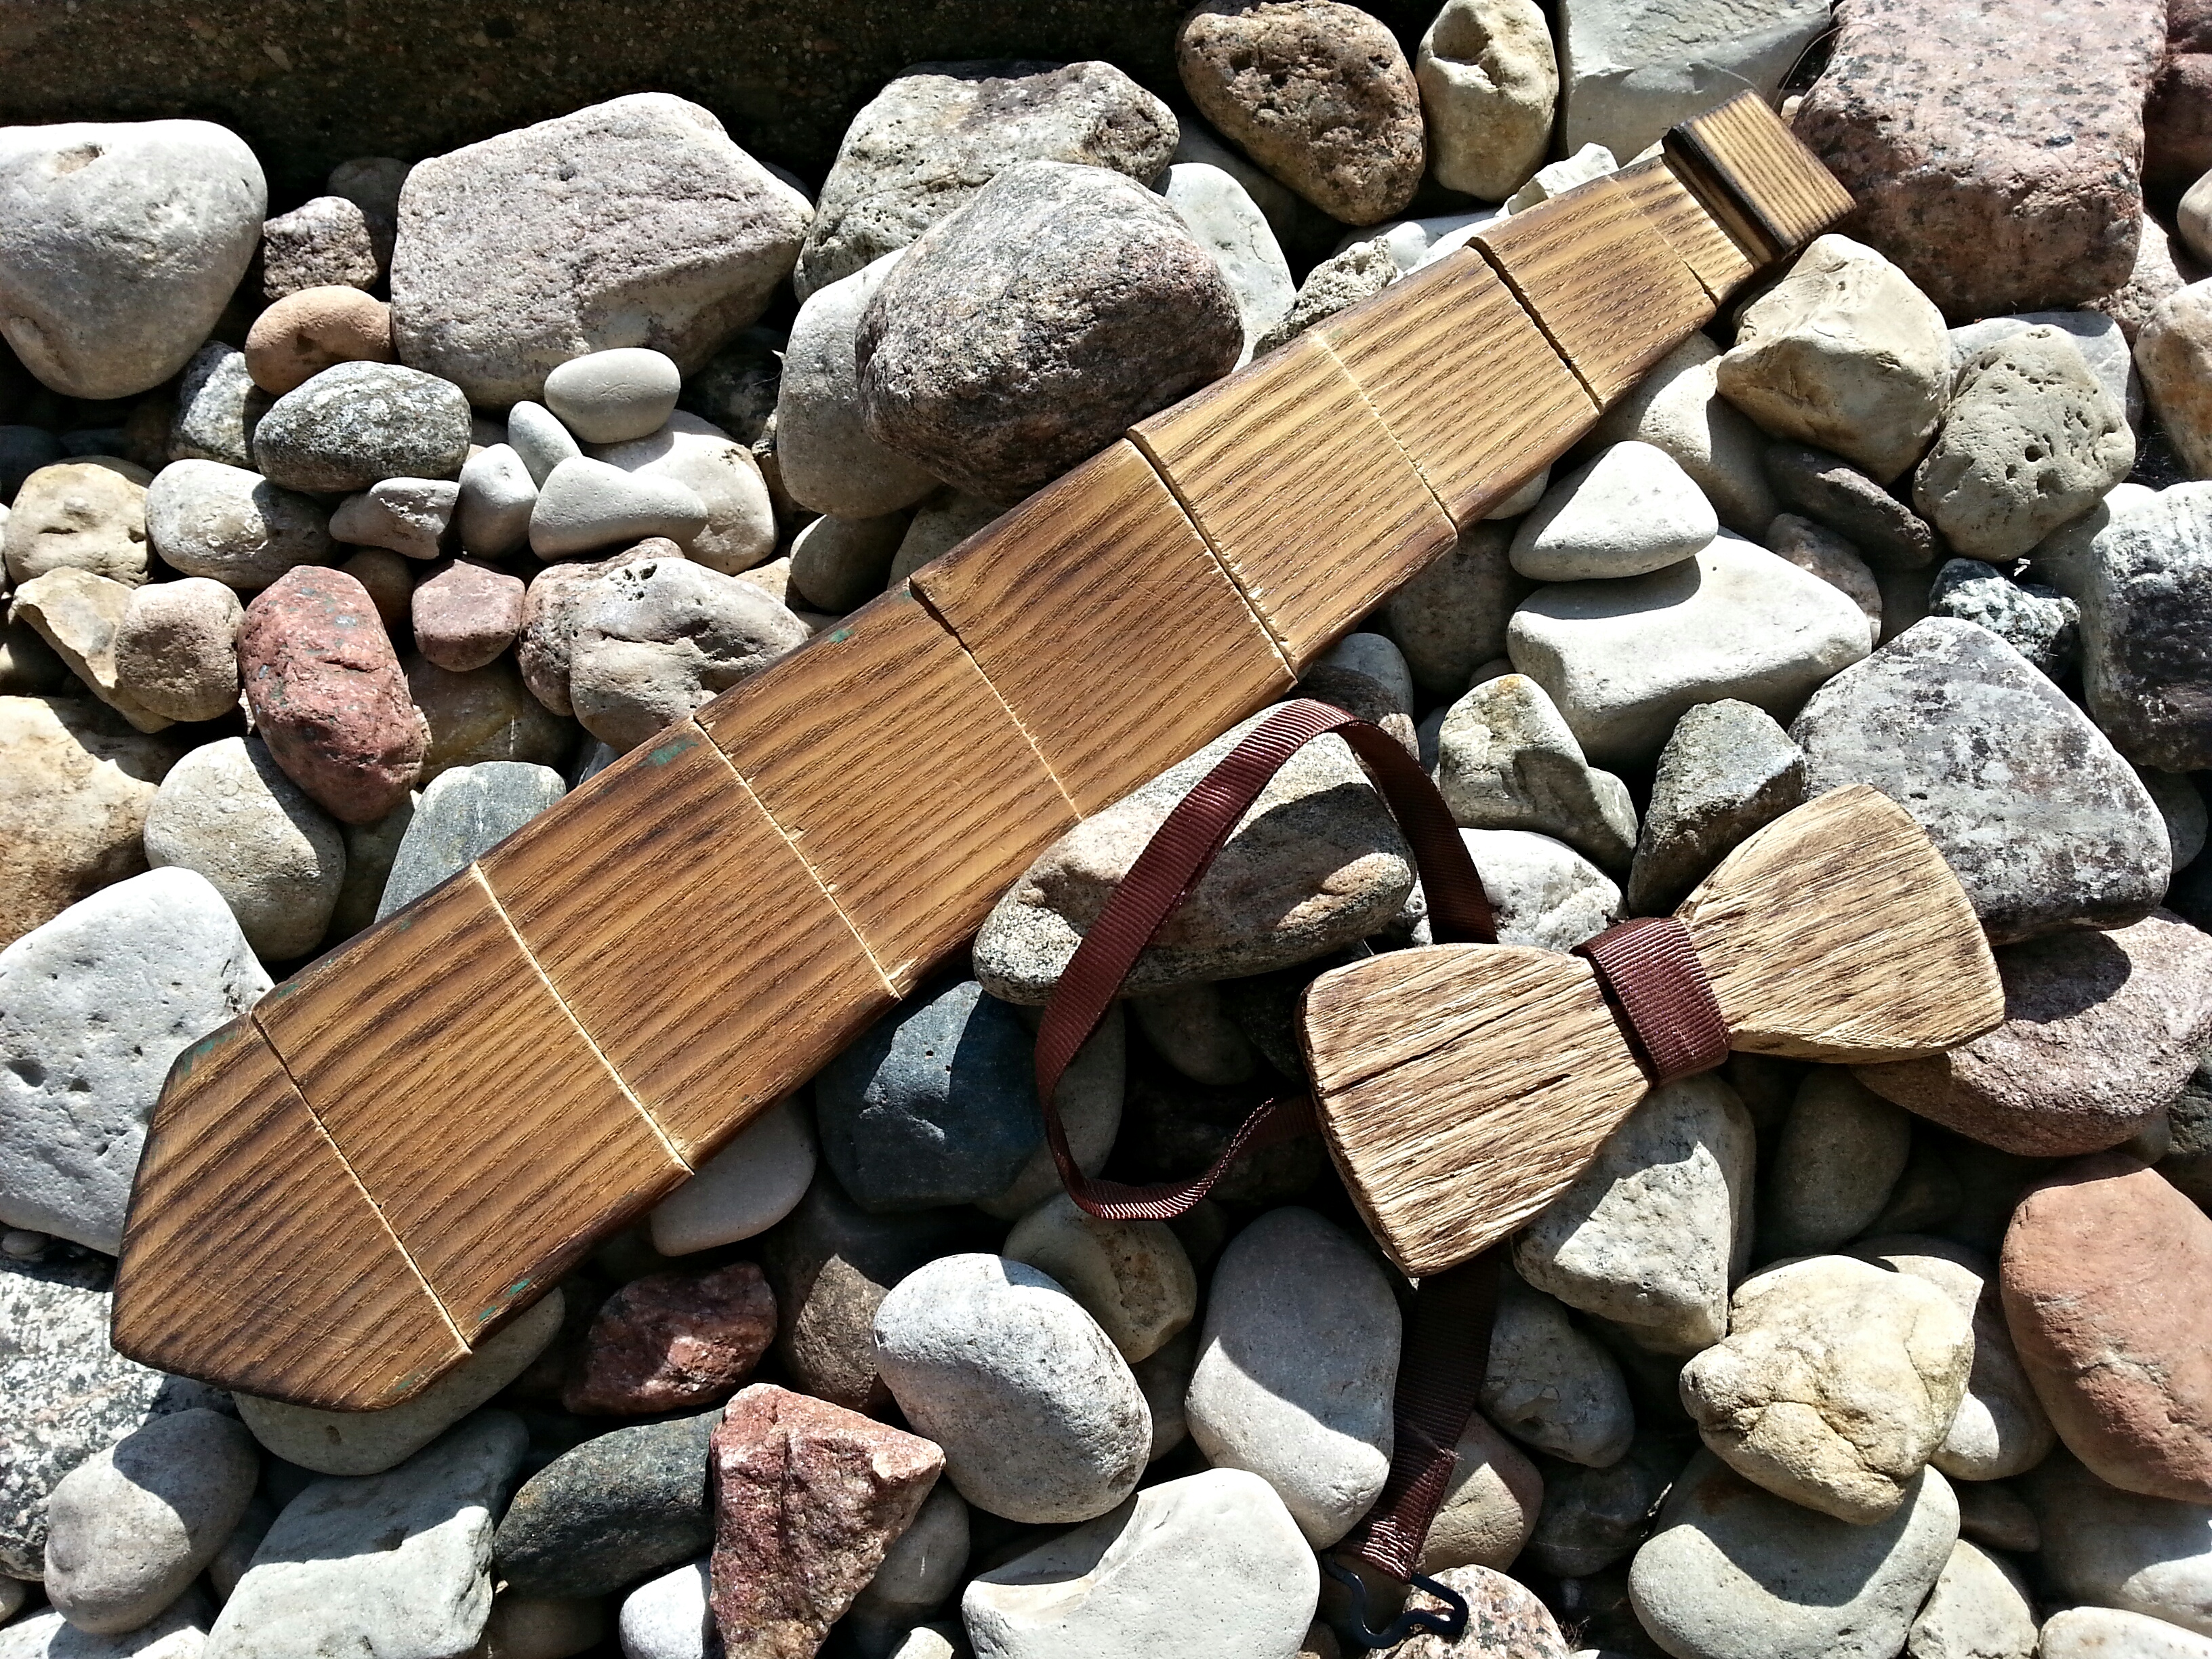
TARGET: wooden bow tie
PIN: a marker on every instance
(1462, 1087)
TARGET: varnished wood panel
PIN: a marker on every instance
(1754, 176)
(1837, 933)
(1464, 380)
(1600, 279)
(495, 1140)
(1715, 257)
(1299, 486)
(1462, 1088)
(253, 1258)
(907, 787)
(687, 938)
(1099, 614)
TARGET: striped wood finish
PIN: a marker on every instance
(1716, 258)
(1756, 179)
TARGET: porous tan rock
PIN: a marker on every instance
(307, 331)
(77, 614)
(87, 514)
(1489, 79)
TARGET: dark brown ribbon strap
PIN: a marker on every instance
(1650, 975)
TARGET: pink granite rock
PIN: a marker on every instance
(466, 615)
(1995, 191)
(2178, 121)
(674, 1342)
(2107, 1284)
(807, 1498)
(327, 695)
(2101, 1029)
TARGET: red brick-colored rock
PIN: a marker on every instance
(675, 1341)
(327, 695)
(1995, 150)
(466, 615)
(807, 1498)
(2106, 1278)
(2100, 1031)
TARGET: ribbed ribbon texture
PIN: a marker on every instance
(1660, 994)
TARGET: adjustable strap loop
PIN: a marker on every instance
(1659, 992)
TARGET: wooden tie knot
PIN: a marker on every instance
(1662, 995)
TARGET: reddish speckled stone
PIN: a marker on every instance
(466, 615)
(674, 1342)
(1997, 189)
(327, 695)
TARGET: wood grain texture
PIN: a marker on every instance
(1837, 933)
(687, 938)
(253, 1258)
(495, 1142)
(883, 755)
(1717, 259)
(1752, 173)
(1098, 613)
(1464, 380)
(1461, 1087)
(1299, 486)
(1598, 275)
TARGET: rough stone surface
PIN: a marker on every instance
(1628, 75)
(2147, 582)
(939, 132)
(1995, 198)
(2109, 1633)
(1625, 660)
(327, 695)
(323, 242)
(1210, 1563)
(409, 516)
(1038, 1415)
(2038, 621)
(1846, 354)
(1030, 328)
(73, 802)
(2150, 1556)
(1979, 1609)
(485, 715)
(1828, 489)
(1296, 1366)
(369, 1443)
(1505, 760)
(1734, 1572)
(1653, 1232)
(1678, 407)
(218, 406)
(1594, 1518)
(1835, 1385)
(1337, 282)
(77, 615)
(1315, 863)
(1542, 892)
(1505, 1619)
(672, 1341)
(307, 332)
(1551, 1385)
(228, 811)
(1489, 1506)
(2105, 347)
(838, 565)
(495, 501)
(610, 1512)
(94, 1006)
(2031, 440)
(924, 1566)
(1832, 1167)
(1133, 1277)
(745, 1189)
(176, 648)
(82, 514)
(355, 423)
(808, 1496)
(2173, 349)
(179, 1632)
(2043, 823)
(585, 504)
(2101, 1030)
(2000, 1428)
(2122, 1364)
(1489, 79)
(466, 615)
(130, 1528)
(393, 1565)
(125, 240)
(1449, 619)
(688, 235)
(1816, 548)
(1727, 771)
(209, 519)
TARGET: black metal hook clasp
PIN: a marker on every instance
(1449, 1621)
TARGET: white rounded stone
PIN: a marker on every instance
(743, 1190)
(496, 495)
(1629, 510)
(667, 1618)
(611, 397)
(740, 529)
(584, 505)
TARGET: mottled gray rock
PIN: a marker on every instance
(1628, 75)
(1593, 1518)
(123, 243)
(2146, 590)
(667, 1618)
(2182, 806)
(228, 811)
(178, 1633)
(1629, 510)
(827, 458)
(93, 1006)
(210, 518)
(1315, 863)
(921, 1570)
(355, 423)
(1489, 78)
(607, 1512)
(1542, 892)
(2030, 439)
(1652, 1233)
(218, 406)
(176, 648)
(1678, 407)
(1832, 1167)
(940, 132)
(409, 516)
(393, 1565)
(1828, 489)
(1133, 1277)
(614, 396)
(1191, 1031)
(689, 236)
(1450, 618)
(1506, 760)
(1337, 283)
(1038, 1415)
(941, 524)
(1549, 1384)
(1229, 224)
(65, 1393)
(324, 242)
(1030, 328)
(130, 1528)
(1734, 1572)
(536, 434)
(2043, 823)
(461, 815)
(1728, 769)
(496, 495)
(2040, 623)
